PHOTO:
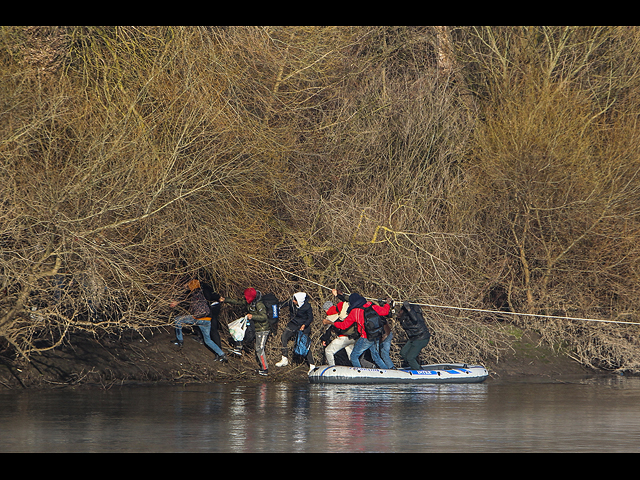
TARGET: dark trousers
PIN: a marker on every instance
(411, 351)
(292, 332)
(215, 334)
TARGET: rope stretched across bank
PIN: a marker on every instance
(477, 310)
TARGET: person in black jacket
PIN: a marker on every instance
(214, 303)
(301, 318)
(413, 323)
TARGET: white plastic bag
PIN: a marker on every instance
(238, 328)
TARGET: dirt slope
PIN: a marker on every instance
(132, 358)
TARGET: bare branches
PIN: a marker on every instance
(430, 163)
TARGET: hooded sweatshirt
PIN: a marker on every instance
(356, 301)
(300, 298)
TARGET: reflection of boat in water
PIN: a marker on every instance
(444, 373)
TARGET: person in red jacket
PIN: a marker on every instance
(355, 314)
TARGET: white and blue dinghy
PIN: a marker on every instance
(430, 374)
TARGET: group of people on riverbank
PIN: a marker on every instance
(356, 326)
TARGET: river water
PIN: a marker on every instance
(599, 414)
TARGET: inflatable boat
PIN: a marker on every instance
(434, 374)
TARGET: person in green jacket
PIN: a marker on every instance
(257, 315)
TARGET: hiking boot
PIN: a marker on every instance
(311, 368)
(222, 359)
(283, 363)
(264, 373)
(177, 343)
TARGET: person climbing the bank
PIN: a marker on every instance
(345, 339)
(412, 321)
(356, 315)
(214, 310)
(199, 314)
(301, 317)
(257, 315)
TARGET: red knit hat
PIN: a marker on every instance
(333, 310)
(250, 294)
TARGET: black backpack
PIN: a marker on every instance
(273, 308)
(373, 323)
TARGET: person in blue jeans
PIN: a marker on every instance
(205, 327)
(361, 346)
(200, 315)
(385, 348)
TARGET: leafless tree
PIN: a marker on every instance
(423, 163)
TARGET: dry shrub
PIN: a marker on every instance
(553, 179)
(122, 176)
(355, 157)
(377, 218)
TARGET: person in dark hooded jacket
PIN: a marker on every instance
(413, 323)
(214, 305)
(301, 318)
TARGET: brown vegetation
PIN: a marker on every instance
(435, 164)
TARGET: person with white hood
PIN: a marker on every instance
(301, 318)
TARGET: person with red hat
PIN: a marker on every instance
(257, 315)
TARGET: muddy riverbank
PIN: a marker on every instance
(134, 358)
